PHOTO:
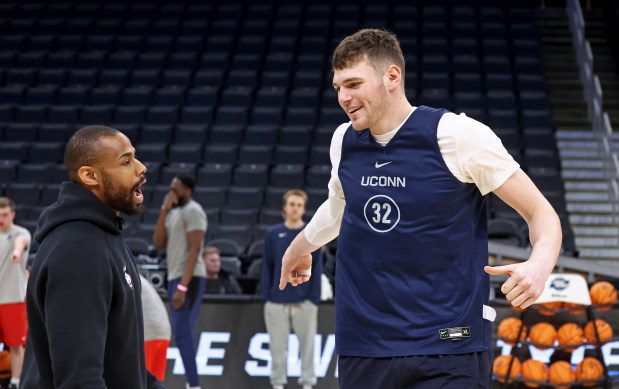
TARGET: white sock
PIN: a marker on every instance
(15, 381)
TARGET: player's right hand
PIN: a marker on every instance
(170, 200)
(17, 256)
(292, 262)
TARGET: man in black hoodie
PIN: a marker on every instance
(83, 296)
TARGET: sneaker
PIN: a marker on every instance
(13, 386)
(278, 386)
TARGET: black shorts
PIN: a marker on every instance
(457, 371)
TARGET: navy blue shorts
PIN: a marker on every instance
(457, 371)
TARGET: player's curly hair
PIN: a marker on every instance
(380, 48)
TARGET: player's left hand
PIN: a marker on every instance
(178, 299)
(525, 282)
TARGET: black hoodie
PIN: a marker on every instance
(83, 301)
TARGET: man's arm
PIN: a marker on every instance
(160, 236)
(194, 243)
(266, 279)
(324, 226)
(527, 279)
(19, 248)
(78, 295)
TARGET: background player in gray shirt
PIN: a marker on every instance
(180, 229)
(14, 247)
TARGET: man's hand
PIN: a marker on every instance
(18, 255)
(178, 299)
(291, 263)
(525, 282)
(170, 200)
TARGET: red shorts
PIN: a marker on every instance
(156, 357)
(13, 324)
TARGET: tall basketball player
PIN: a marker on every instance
(407, 199)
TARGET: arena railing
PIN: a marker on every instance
(503, 254)
(594, 97)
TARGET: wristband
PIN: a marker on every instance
(304, 272)
(182, 288)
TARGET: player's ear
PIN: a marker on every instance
(393, 77)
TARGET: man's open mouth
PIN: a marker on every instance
(137, 192)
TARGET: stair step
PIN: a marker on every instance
(574, 197)
(582, 164)
(593, 145)
(590, 242)
(606, 253)
(575, 135)
(582, 174)
(601, 208)
(596, 231)
(592, 220)
(575, 153)
(586, 186)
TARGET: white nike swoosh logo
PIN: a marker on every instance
(379, 165)
(282, 234)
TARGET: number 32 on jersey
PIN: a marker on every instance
(382, 213)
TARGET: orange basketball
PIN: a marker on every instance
(604, 330)
(543, 334)
(570, 334)
(534, 370)
(501, 364)
(572, 311)
(509, 328)
(5, 364)
(549, 309)
(589, 369)
(603, 293)
(517, 309)
(561, 372)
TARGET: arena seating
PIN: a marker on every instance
(240, 96)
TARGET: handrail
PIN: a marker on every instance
(593, 94)
(503, 252)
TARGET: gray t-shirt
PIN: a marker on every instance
(12, 275)
(178, 223)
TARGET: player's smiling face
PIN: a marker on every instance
(361, 94)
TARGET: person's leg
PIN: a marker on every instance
(17, 361)
(304, 324)
(183, 334)
(367, 373)
(278, 326)
(471, 370)
(194, 298)
(14, 327)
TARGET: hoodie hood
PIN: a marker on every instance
(76, 203)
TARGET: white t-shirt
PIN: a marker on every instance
(471, 151)
(12, 275)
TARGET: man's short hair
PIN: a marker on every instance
(6, 202)
(84, 146)
(210, 250)
(295, 192)
(187, 180)
(379, 47)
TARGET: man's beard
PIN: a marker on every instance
(182, 201)
(121, 199)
